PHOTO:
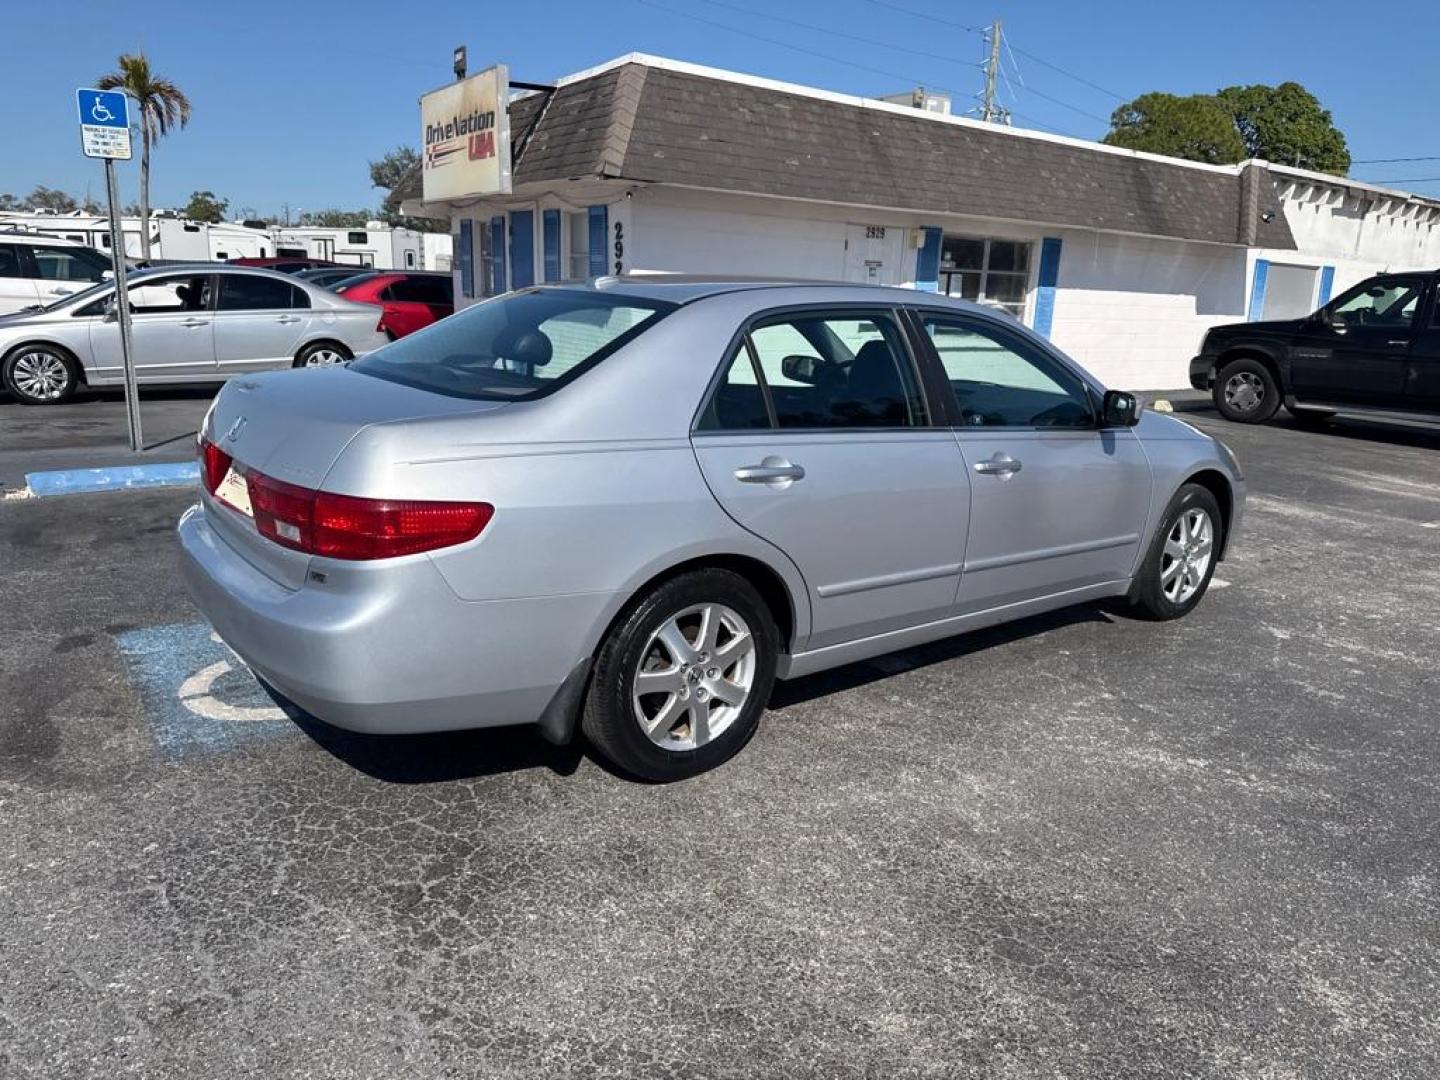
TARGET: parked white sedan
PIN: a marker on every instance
(198, 323)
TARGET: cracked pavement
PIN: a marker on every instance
(1080, 845)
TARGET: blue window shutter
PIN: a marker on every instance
(927, 261)
(522, 249)
(1327, 285)
(497, 250)
(467, 259)
(550, 230)
(1045, 287)
(599, 239)
(1257, 290)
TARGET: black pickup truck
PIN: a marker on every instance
(1373, 351)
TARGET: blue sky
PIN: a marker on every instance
(292, 99)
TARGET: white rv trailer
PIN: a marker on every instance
(173, 239)
(376, 245)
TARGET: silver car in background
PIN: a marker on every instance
(632, 505)
(197, 323)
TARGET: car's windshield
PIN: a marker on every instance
(516, 346)
(82, 295)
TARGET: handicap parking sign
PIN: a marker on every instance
(104, 123)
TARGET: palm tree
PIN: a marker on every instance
(163, 106)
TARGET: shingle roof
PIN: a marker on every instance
(657, 125)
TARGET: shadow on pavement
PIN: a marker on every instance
(1351, 428)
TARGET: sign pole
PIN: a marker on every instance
(105, 133)
(122, 308)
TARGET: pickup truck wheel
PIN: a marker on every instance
(1246, 392)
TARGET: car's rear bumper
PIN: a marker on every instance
(396, 653)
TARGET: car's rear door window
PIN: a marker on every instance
(517, 346)
(252, 292)
(819, 370)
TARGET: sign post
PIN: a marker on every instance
(105, 133)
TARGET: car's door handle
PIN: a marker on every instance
(196, 322)
(998, 464)
(1398, 341)
(773, 470)
(288, 318)
(62, 292)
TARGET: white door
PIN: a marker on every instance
(260, 320)
(872, 254)
(16, 290)
(64, 271)
(171, 329)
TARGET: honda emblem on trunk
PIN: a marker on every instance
(235, 429)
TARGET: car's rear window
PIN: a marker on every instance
(517, 346)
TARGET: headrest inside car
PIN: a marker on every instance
(529, 347)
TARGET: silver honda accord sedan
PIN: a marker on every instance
(201, 322)
(631, 506)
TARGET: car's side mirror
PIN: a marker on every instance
(112, 310)
(801, 369)
(1119, 409)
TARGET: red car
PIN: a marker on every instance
(410, 301)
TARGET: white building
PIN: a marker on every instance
(1122, 258)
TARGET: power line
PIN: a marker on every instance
(787, 45)
(1067, 105)
(926, 15)
(1391, 160)
(980, 30)
(1408, 180)
(948, 59)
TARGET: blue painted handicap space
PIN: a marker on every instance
(112, 478)
(198, 696)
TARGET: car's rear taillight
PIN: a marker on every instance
(347, 527)
(214, 463)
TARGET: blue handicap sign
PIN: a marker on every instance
(103, 108)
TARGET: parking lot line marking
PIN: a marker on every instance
(198, 697)
(112, 478)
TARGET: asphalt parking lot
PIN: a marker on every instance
(1078, 846)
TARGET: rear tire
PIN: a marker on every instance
(1182, 556)
(1246, 391)
(40, 374)
(705, 645)
(323, 354)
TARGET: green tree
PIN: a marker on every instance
(44, 198)
(1286, 124)
(163, 107)
(336, 219)
(1197, 127)
(206, 206)
(9, 203)
(387, 173)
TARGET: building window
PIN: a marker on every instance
(485, 257)
(995, 272)
(577, 234)
(357, 238)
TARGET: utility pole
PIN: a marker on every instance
(991, 111)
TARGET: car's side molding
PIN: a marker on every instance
(849, 652)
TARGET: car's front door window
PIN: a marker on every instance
(1001, 380)
(1391, 303)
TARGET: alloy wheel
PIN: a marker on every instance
(40, 375)
(694, 676)
(1186, 557)
(324, 357)
(1244, 391)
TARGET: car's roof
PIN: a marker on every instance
(683, 288)
(17, 236)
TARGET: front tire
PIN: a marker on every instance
(1246, 391)
(1182, 556)
(40, 374)
(323, 354)
(682, 677)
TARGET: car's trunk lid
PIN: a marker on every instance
(292, 426)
